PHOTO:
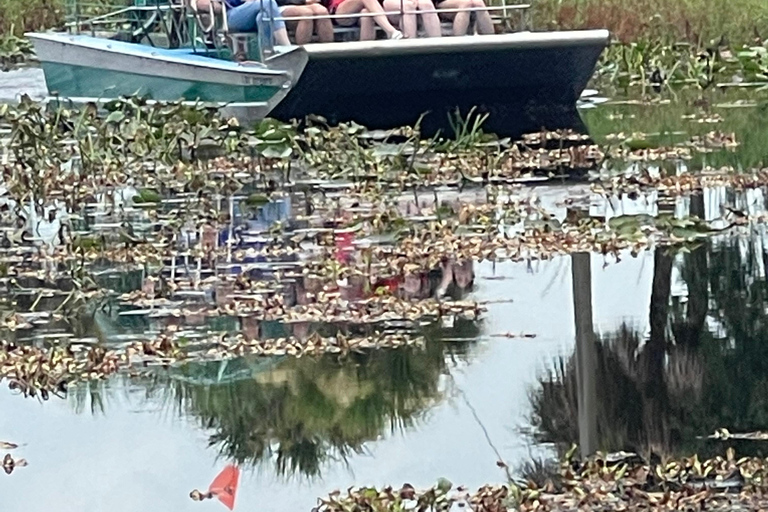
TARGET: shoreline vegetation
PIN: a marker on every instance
(697, 22)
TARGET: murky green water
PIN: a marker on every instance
(683, 350)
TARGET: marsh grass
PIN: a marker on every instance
(694, 21)
(19, 16)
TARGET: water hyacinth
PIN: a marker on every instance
(616, 481)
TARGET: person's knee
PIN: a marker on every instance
(318, 10)
(410, 5)
(425, 5)
(477, 3)
(365, 20)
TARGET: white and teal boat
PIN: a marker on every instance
(168, 50)
(159, 51)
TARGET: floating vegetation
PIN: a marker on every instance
(658, 65)
(169, 214)
(724, 434)
(168, 349)
(511, 335)
(616, 481)
(35, 372)
(10, 464)
(679, 184)
(14, 51)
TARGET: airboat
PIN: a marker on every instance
(163, 50)
(170, 50)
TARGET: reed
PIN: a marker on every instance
(19, 16)
(694, 21)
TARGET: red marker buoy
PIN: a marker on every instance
(224, 486)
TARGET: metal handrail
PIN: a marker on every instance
(125, 10)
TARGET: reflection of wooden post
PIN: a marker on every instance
(586, 356)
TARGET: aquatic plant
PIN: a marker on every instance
(130, 186)
(14, 51)
(691, 21)
(9, 464)
(658, 65)
(16, 18)
(606, 481)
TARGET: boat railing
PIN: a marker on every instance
(175, 23)
(506, 10)
(137, 20)
(266, 42)
(489, 8)
(266, 39)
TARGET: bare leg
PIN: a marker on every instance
(281, 37)
(483, 21)
(271, 12)
(408, 21)
(460, 19)
(303, 27)
(355, 6)
(430, 20)
(323, 27)
(367, 28)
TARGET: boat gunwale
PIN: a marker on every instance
(492, 42)
(139, 51)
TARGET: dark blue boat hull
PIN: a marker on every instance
(523, 87)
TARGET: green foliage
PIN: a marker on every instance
(671, 21)
(147, 195)
(650, 122)
(467, 131)
(14, 50)
(20, 16)
(652, 62)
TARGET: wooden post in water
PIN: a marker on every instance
(586, 353)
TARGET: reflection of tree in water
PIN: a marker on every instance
(303, 413)
(684, 380)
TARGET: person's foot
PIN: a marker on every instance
(396, 35)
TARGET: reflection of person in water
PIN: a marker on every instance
(450, 279)
(456, 279)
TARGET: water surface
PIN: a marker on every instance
(679, 349)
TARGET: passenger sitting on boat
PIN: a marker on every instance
(245, 16)
(483, 21)
(323, 27)
(346, 7)
(430, 20)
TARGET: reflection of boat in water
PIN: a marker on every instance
(533, 76)
(225, 371)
